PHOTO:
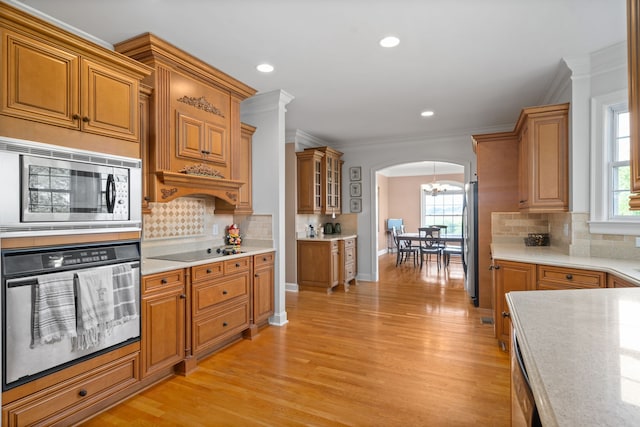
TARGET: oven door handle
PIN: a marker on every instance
(111, 193)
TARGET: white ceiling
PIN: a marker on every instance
(475, 63)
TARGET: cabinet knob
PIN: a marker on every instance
(224, 292)
(75, 117)
(209, 271)
(256, 275)
(238, 264)
(569, 276)
(163, 281)
(494, 267)
(225, 324)
(264, 259)
(86, 119)
(505, 314)
(82, 392)
(183, 296)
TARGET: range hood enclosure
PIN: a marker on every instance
(193, 117)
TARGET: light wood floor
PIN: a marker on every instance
(409, 350)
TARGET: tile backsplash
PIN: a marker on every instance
(569, 233)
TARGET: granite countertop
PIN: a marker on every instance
(152, 266)
(581, 349)
(327, 237)
(547, 255)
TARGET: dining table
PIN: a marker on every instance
(409, 237)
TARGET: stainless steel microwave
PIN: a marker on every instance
(48, 187)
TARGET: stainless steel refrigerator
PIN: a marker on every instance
(470, 240)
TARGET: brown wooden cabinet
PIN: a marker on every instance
(543, 158)
(263, 288)
(348, 255)
(509, 276)
(319, 181)
(633, 63)
(219, 303)
(552, 277)
(318, 264)
(196, 124)
(54, 78)
(241, 166)
(163, 320)
(68, 396)
(619, 282)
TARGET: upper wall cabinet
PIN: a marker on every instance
(633, 61)
(543, 158)
(319, 181)
(195, 131)
(54, 78)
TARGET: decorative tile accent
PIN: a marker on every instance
(180, 217)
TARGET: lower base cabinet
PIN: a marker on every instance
(263, 288)
(163, 325)
(509, 276)
(323, 264)
(70, 399)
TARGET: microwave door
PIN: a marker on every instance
(87, 198)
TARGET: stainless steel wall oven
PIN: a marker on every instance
(65, 304)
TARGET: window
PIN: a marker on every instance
(444, 208)
(610, 170)
(619, 168)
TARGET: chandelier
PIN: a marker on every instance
(436, 187)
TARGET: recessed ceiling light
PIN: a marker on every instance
(390, 41)
(265, 68)
(427, 113)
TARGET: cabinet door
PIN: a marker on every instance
(163, 340)
(509, 276)
(309, 165)
(617, 282)
(544, 164)
(263, 293)
(109, 102)
(41, 81)
(335, 263)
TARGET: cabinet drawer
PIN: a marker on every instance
(617, 282)
(349, 243)
(160, 281)
(206, 271)
(349, 254)
(263, 259)
(349, 271)
(207, 295)
(209, 330)
(558, 277)
(55, 403)
(237, 265)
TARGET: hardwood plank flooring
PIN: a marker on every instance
(409, 350)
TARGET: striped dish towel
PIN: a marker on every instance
(124, 295)
(95, 306)
(53, 314)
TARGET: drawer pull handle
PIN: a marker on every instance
(224, 292)
(163, 281)
(82, 392)
(505, 314)
(569, 277)
(183, 296)
(225, 324)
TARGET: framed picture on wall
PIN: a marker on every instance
(354, 173)
(355, 205)
(355, 189)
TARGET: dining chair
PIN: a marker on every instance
(429, 244)
(450, 250)
(403, 250)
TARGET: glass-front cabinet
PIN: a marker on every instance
(319, 181)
